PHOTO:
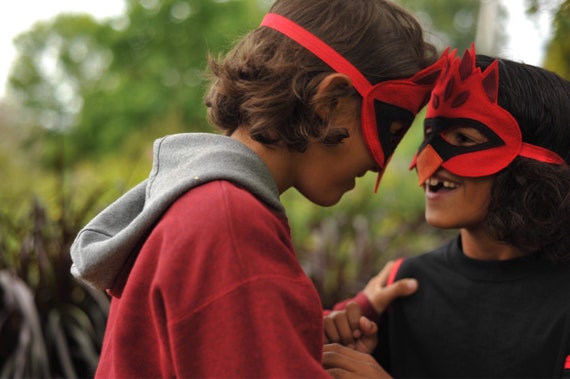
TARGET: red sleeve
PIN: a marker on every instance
(365, 305)
(232, 295)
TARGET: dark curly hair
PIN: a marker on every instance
(268, 82)
(530, 200)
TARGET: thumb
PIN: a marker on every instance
(400, 288)
(368, 328)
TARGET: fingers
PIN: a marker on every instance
(367, 327)
(382, 298)
(331, 331)
(335, 355)
(380, 295)
(344, 326)
(338, 373)
(342, 362)
(353, 315)
(369, 339)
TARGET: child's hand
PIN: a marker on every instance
(349, 328)
(343, 363)
(380, 295)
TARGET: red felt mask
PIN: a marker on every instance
(465, 96)
(390, 101)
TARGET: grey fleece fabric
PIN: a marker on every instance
(181, 162)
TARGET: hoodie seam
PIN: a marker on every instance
(230, 224)
(100, 232)
(156, 167)
(250, 280)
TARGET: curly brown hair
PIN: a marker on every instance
(530, 200)
(268, 82)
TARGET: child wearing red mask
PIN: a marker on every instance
(494, 301)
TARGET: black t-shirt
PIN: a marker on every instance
(478, 319)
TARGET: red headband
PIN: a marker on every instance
(408, 94)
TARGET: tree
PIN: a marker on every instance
(558, 51)
(97, 83)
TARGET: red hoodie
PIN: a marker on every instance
(216, 291)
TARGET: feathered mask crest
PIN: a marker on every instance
(466, 96)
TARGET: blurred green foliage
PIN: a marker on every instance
(558, 53)
(88, 97)
(97, 82)
(448, 23)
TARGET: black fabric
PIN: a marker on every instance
(386, 114)
(478, 319)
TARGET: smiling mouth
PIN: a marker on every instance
(434, 185)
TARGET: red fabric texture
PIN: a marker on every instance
(365, 305)
(216, 291)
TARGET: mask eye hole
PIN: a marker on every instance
(397, 131)
(463, 136)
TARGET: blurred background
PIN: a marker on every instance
(88, 85)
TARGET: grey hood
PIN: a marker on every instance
(181, 162)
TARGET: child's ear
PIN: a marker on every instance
(330, 92)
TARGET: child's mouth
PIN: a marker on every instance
(434, 185)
